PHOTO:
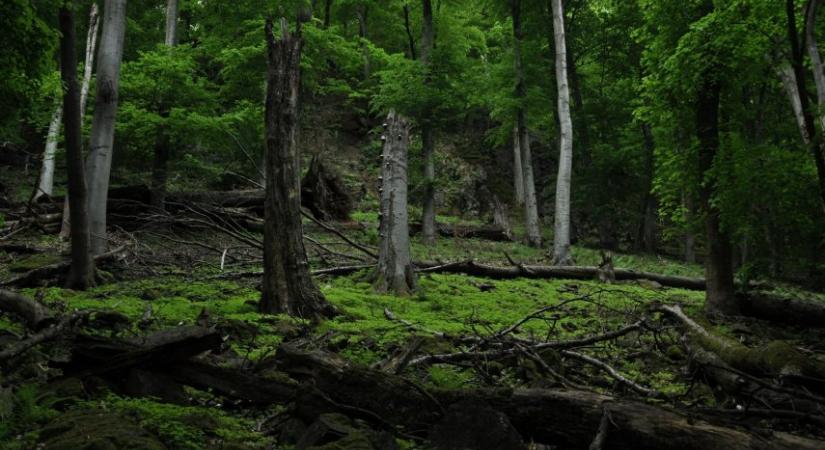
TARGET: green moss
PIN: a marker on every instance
(34, 262)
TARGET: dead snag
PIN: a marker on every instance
(287, 283)
(395, 271)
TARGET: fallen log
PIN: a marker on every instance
(34, 314)
(41, 275)
(489, 233)
(562, 418)
(792, 311)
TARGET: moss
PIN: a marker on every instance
(34, 262)
(97, 430)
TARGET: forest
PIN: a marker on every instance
(412, 224)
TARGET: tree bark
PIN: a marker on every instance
(788, 77)
(427, 133)
(171, 23)
(561, 236)
(518, 170)
(646, 236)
(395, 272)
(81, 274)
(720, 295)
(101, 145)
(531, 215)
(160, 161)
(46, 185)
(819, 80)
(287, 284)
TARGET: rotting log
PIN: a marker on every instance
(488, 233)
(41, 275)
(34, 314)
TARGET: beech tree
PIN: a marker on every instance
(81, 273)
(561, 236)
(287, 284)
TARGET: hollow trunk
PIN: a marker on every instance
(81, 274)
(518, 171)
(395, 272)
(720, 295)
(531, 215)
(287, 285)
(561, 236)
(101, 143)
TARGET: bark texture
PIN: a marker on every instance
(287, 284)
(518, 170)
(720, 295)
(819, 80)
(395, 272)
(81, 274)
(101, 145)
(427, 134)
(171, 23)
(531, 215)
(561, 236)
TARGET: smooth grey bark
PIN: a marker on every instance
(561, 236)
(171, 23)
(518, 171)
(46, 183)
(81, 272)
(287, 286)
(428, 225)
(788, 77)
(531, 215)
(101, 141)
(395, 271)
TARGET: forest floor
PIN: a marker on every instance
(170, 277)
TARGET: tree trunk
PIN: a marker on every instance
(561, 236)
(819, 80)
(690, 237)
(410, 38)
(531, 215)
(720, 296)
(46, 185)
(327, 8)
(101, 145)
(788, 77)
(646, 237)
(171, 23)
(362, 33)
(427, 134)
(287, 284)
(395, 272)
(518, 170)
(81, 274)
(160, 161)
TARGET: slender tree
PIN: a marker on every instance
(287, 284)
(46, 183)
(81, 273)
(518, 171)
(531, 222)
(395, 272)
(561, 236)
(101, 141)
(428, 226)
(160, 163)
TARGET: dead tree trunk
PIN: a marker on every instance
(395, 272)
(81, 274)
(287, 283)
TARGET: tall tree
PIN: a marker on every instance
(81, 273)
(428, 226)
(46, 183)
(160, 163)
(287, 283)
(561, 236)
(518, 171)
(531, 222)
(101, 141)
(395, 272)
(819, 81)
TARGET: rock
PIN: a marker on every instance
(472, 424)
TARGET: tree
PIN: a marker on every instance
(163, 145)
(287, 284)
(531, 222)
(46, 181)
(395, 272)
(81, 273)
(561, 236)
(427, 136)
(101, 141)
